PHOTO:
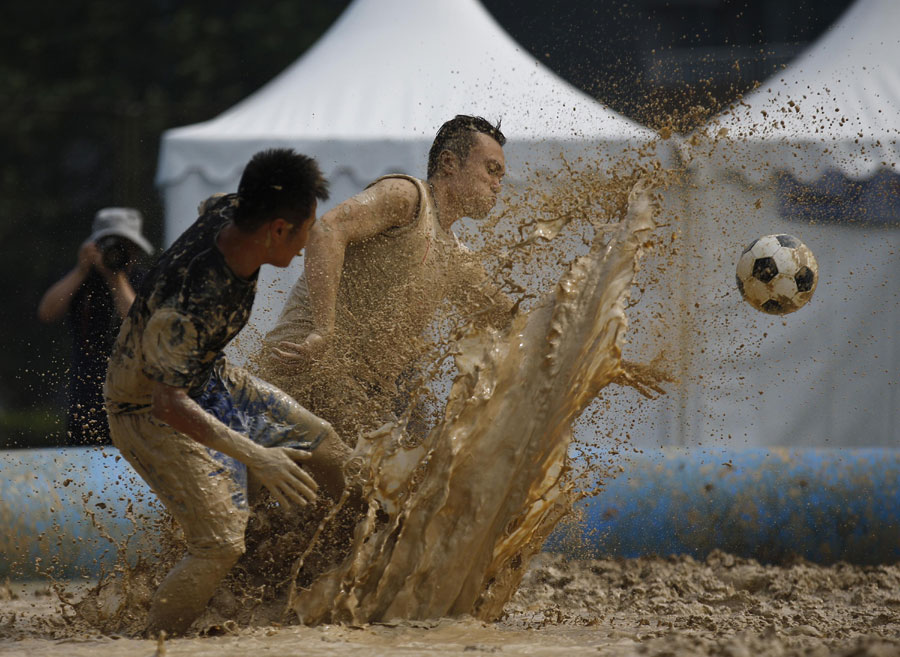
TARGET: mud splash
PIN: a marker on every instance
(443, 534)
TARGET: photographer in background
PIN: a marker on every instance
(95, 297)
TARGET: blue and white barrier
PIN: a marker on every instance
(771, 504)
(63, 510)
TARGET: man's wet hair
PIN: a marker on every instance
(458, 136)
(278, 181)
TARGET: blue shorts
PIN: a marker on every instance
(260, 411)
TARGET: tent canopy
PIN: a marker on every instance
(378, 85)
(368, 98)
(837, 107)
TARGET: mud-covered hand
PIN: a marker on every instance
(279, 470)
(276, 467)
(292, 353)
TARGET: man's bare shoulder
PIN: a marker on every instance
(396, 186)
(386, 204)
(398, 197)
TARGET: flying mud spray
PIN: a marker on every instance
(452, 518)
(457, 534)
(449, 518)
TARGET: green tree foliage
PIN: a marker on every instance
(86, 89)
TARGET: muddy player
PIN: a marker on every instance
(378, 266)
(194, 426)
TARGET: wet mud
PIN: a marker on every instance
(393, 596)
(674, 606)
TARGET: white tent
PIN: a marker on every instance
(837, 107)
(828, 374)
(368, 98)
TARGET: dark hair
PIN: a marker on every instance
(458, 135)
(275, 181)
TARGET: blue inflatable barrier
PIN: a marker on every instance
(771, 504)
(64, 510)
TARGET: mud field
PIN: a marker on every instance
(650, 607)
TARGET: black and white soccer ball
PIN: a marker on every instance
(777, 274)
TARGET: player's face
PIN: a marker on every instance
(292, 239)
(481, 175)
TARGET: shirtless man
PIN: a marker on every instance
(377, 268)
(192, 425)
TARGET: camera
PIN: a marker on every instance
(115, 252)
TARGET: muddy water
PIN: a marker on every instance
(455, 535)
(444, 535)
(654, 607)
(404, 569)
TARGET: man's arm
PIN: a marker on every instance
(390, 203)
(121, 290)
(276, 467)
(56, 300)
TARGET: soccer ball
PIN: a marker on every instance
(777, 274)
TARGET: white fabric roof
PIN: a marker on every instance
(380, 82)
(368, 98)
(836, 107)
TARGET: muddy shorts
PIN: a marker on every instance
(205, 490)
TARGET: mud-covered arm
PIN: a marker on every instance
(176, 346)
(385, 205)
(276, 467)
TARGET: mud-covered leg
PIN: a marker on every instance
(186, 590)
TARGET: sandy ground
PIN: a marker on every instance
(649, 607)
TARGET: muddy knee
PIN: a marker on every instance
(227, 555)
(222, 555)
